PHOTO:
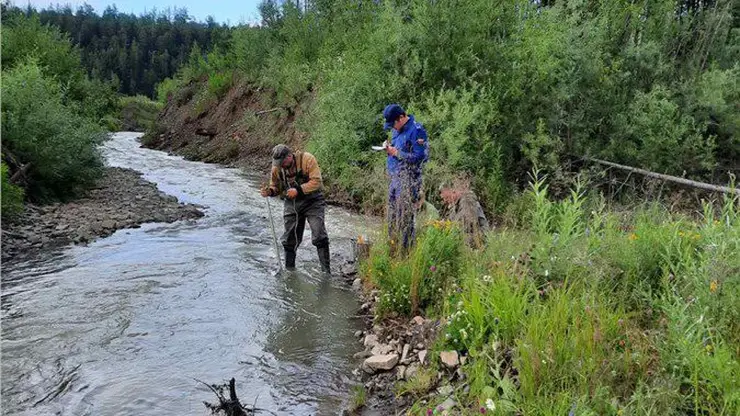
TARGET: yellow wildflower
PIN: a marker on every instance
(632, 237)
(713, 286)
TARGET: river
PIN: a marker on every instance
(125, 325)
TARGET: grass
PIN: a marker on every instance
(418, 384)
(358, 398)
(582, 307)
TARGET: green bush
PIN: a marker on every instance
(500, 88)
(39, 129)
(219, 83)
(138, 113)
(393, 280)
(26, 36)
(656, 134)
(111, 123)
(12, 196)
(167, 89)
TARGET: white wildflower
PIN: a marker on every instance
(490, 405)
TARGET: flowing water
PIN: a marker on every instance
(126, 325)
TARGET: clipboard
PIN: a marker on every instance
(380, 148)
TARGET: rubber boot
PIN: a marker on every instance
(324, 259)
(290, 260)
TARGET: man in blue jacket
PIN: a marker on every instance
(407, 152)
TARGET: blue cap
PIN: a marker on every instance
(391, 114)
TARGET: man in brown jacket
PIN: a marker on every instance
(296, 178)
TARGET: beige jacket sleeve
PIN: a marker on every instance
(275, 181)
(311, 168)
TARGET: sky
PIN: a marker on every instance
(223, 11)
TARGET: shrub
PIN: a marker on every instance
(138, 113)
(219, 83)
(656, 134)
(12, 196)
(39, 129)
(167, 89)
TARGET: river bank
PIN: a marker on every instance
(121, 199)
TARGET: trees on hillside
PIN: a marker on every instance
(137, 52)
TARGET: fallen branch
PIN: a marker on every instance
(230, 406)
(20, 175)
(682, 181)
(268, 111)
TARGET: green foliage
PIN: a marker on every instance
(138, 113)
(250, 46)
(58, 59)
(134, 52)
(654, 133)
(12, 196)
(435, 264)
(417, 282)
(717, 105)
(541, 149)
(359, 398)
(588, 309)
(167, 89)
(503, 88)
(39, 129)
(419, 384)
(24, 37)
(393, 278)
(219, 83)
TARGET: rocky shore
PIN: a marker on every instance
(398, 365)
(121, 199)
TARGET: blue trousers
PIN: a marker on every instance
(403, 194)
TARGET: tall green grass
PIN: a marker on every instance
(583, 308)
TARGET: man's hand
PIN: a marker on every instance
(266, 192)
(292, 193)
(392, 151)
